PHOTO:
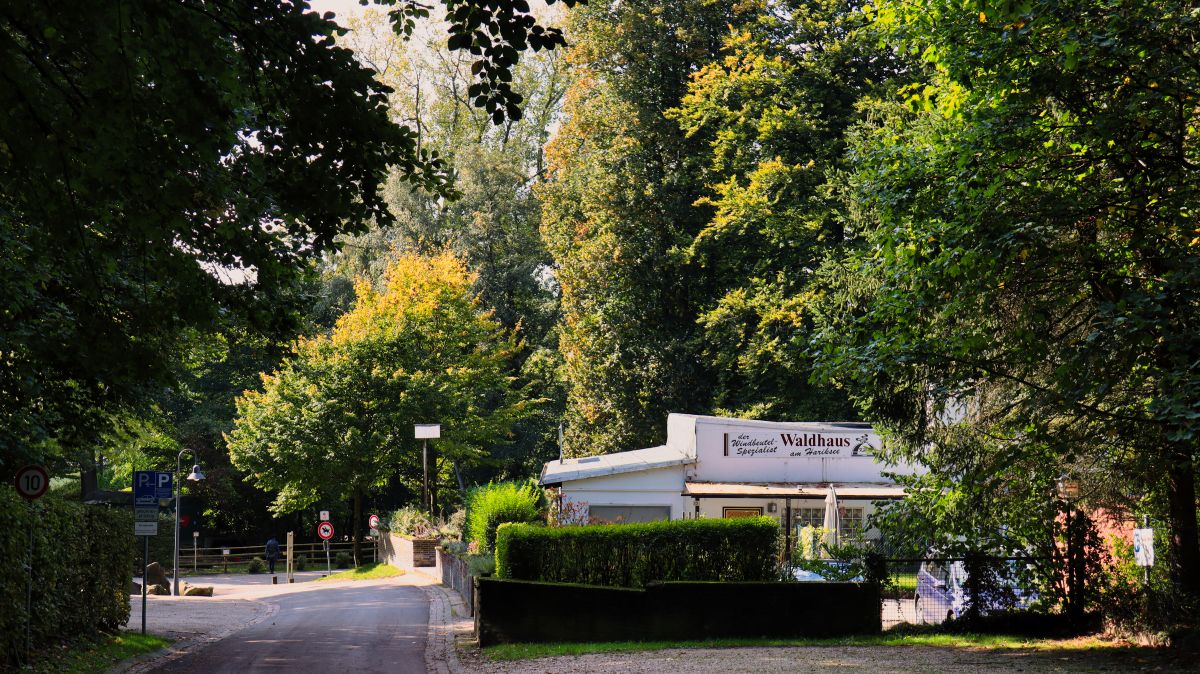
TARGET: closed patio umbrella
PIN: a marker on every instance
(833, 523)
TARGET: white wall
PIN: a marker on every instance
(659, 486)
(713, 465)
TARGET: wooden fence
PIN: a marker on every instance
(207, 558)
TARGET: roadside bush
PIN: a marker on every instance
(343, 560)
(496, 503)
(481, 565)
(301, 562)
(411, 521)
(256, 565)
(631, 555)
(82, 556)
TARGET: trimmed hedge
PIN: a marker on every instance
(631, 555)
(82, 556)
(671, 611)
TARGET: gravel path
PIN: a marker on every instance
(874, 659)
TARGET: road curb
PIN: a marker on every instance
(441, 654)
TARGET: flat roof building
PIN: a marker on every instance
(724, 467)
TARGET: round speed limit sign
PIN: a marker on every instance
(325, 531)
(32, 482)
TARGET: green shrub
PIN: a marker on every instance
(343, 560)
(481, 565)
(256, 565)
(630, 555)
(82, 558)
(411, 521)
(496, 503)
(301, 562)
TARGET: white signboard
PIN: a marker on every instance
(1143, 547)
(324, 515)
(145, 528)
(145, 513)
(427, 431)
(832, 444)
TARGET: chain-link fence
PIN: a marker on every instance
(933, 590)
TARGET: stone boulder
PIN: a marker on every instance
(195, 591)
(156, 575)
(135, 588)
(158, 589)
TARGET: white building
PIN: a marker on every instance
(720, 467)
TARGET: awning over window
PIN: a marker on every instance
(852, 490)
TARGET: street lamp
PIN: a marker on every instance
(195, 476)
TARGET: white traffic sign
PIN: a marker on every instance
(324, 515)
(1143, 547)
(145, 528)
(373, 520)
(145, 513)
(325, 531)
(32, 482)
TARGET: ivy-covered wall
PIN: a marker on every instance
(81, 564)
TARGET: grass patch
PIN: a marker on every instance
(367, 572)
(987, 641)
(97, 655)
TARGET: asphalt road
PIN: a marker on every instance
(359, 628)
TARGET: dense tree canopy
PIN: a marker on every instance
(150, 148)
(1035, 270)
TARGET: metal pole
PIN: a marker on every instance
(195, 552)
(328, 565)
(145, 565)
(1146, 569)
(29, 592)
(175, 566)
(425, 475)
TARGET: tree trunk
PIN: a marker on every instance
(1184, 540)
(358, 496)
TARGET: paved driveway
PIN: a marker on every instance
(359, 627)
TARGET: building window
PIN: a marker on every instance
(627, 514)
(728, 513)
(851, 518)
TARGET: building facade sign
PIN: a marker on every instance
(803, 444)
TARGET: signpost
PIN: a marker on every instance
(149, 488)
(424, 433)
(32, 482)
(325, 532)
(373, 521)
(1143, 547)
(289, 558)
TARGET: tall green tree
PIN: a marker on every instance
(619, 211)
(1036, 265)
(336, 420)
(778, 107)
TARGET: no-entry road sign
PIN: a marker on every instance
(32, 482)
(325, 531)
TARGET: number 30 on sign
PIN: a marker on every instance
(32, 482)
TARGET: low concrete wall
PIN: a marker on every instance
(508, 611)
(403, 552)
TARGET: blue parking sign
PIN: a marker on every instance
(151, 486)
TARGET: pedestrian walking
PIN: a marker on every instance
(272, 553)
